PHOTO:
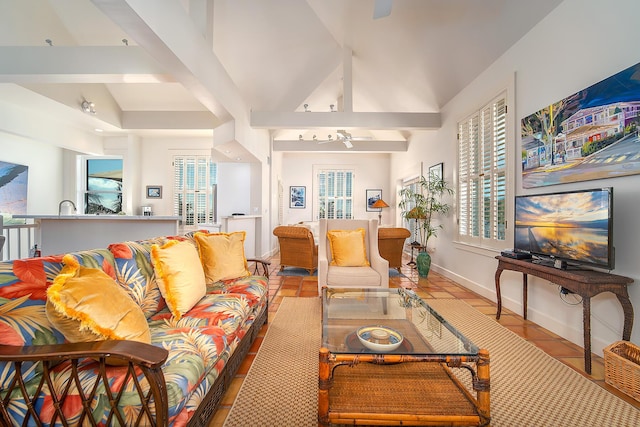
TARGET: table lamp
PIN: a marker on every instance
(379, 204)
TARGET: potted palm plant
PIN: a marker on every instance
(421, 203)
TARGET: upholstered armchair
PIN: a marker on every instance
(349, 270)
(391, 245)
(297, 247)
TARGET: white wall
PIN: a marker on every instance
(45, 177)
(371, 172)
(580, 43)
(234, 188)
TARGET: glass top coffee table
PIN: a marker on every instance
(387, 359)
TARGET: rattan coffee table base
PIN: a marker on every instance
(401, 394)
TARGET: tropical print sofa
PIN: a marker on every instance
(175, 375)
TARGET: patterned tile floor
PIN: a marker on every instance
(435, 286)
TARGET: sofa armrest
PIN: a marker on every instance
(260, 267)
(139, 370)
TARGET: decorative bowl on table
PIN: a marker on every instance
(379, 338)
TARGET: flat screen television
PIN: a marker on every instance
(572, 226)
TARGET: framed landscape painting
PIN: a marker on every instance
(297, 197)
(592, 134)
(14, 181)
(372, 197)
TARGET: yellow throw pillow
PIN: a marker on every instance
(85, 304)
(347, 248)
(222, 255)
(179, 275)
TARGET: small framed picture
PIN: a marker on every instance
(435, 172)
(297, 197)
(372, 197)
(154, 192)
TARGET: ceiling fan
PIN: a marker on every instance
(345, 137)
(382, 8)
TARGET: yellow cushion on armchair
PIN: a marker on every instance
(85, 304)
(348, 248)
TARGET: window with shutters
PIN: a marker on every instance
(194, 190)
(482, 175)
(411, 224)
(335, 194)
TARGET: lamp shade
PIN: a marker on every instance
(380, 204)
(417, 213)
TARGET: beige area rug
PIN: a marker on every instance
(528, 387)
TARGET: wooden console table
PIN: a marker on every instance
(586, 283)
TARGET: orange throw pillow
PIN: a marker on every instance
(179, 275)
(85, 304)
(348, 248)
(222, 255)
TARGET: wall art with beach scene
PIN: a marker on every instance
(13, 191)
(592, 134)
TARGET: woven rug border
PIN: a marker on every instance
(528, 387)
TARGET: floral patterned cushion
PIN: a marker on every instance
(23, 287)
(134, 269)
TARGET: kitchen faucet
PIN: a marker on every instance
(63, 202)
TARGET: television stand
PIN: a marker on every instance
(586, 283)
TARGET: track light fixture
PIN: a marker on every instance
(332, 108)
(88, 107)
(49, 42)
(126, 42)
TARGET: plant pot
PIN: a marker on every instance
(423, 263)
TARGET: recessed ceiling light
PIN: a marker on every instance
(238, 158)
(98, 130)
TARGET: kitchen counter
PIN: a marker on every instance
(101, 217)
(60, 234)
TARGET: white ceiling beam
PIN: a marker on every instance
(165, 30)
(79, 64)
(168, 120)
(374, 146)
(344, 120)
(347, 80)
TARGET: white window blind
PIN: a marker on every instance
(335, 194)
(194, 189)
(482, 172)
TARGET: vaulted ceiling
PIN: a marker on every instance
(185, 67)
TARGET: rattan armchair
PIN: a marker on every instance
(297, 247)
(391, 245)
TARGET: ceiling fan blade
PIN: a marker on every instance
(347, 143)
(382, 8)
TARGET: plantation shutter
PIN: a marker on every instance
(482, 172)
(334, 194)
(194, 181)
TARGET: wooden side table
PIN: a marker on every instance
(586, 283)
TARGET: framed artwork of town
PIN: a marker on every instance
(592, 134)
